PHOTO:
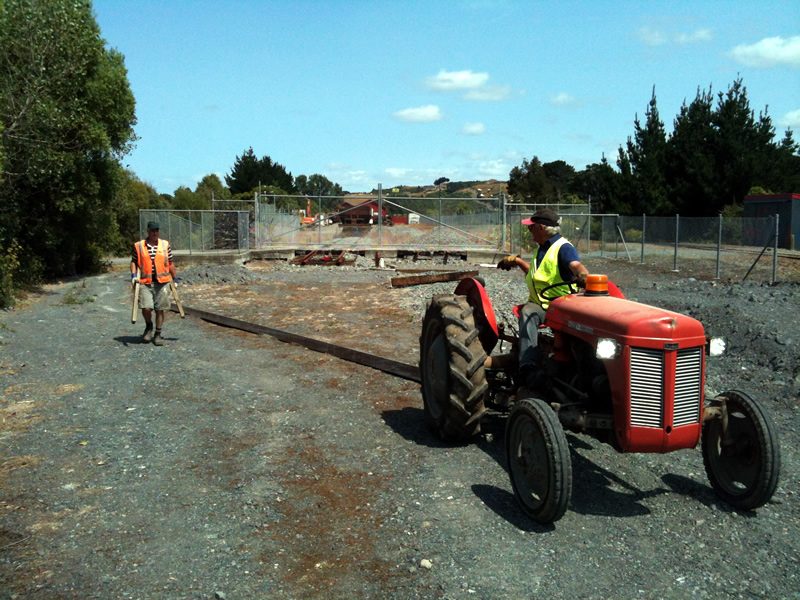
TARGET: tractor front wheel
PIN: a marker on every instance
(451, 367)
(538, 460)
(741, 453)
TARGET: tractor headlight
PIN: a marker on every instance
(716, 346)
(607, 348)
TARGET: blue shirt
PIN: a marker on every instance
(566, 254)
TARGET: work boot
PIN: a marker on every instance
(148, 334)
(157, 339)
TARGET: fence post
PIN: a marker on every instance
(380, 215)
(190, 233)
(719, 245)
(319, 219)
(644, 227)
(256, 222)
(602, 235)
(589, 234)
(503, 231)
(677, 237)
(439, 230)
(775, 250)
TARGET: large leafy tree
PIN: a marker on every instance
(714, 156)
(600, 184)
(211, 188)
(133, 196)
(690, 163)
(528, 182)
(249, 173)
(645, 155)
(743, 145)
(560, 176)
(317, 185)
(67, 115)
(784, 169)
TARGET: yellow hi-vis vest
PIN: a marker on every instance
(146, 266)
(541, 275)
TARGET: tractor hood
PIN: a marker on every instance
(629, 322)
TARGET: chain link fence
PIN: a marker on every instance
(379, 221)
(200, 230)
(707, 247)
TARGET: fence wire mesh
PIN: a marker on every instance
(200, 230)
(707, 247)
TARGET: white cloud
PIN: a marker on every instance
(651, 37)
(654, 37)
(397, 172)
(489, 94)
(791, 119)
(699, 35)
(457, 80)
(494, 169)
(473, 128)
(420, 114)
(769, 52)
(562, 99)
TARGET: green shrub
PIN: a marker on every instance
(633, 235)
(9, 273)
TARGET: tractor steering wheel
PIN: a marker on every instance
(573, 289)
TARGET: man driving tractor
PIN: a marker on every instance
(555, 266)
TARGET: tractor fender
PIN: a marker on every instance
(482, 310)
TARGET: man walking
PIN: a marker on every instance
(555, 266)
(153, 269)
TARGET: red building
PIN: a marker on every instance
(357, 210)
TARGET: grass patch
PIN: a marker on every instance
(77, 295)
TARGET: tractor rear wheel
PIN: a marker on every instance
(451, 365)
(539, 463)
(742, 462)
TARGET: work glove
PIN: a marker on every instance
(508, 262)
(134, 279)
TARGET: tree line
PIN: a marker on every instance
(67, 119)
(717, 152)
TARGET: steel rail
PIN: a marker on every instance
(387, 365)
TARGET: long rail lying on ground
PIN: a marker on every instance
(387, 365)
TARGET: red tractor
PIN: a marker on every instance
(626, 373)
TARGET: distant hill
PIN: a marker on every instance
(468, 189)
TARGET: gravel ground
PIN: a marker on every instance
(227, 465)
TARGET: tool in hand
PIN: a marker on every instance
(175, 295)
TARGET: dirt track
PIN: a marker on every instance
(230, 465)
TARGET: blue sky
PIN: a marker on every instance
(368, 92)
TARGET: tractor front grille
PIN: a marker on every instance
(647, 387)
(688, 369)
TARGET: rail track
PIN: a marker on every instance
(386, 365)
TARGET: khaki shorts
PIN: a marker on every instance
(155, 296)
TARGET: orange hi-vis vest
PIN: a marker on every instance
(146, 265)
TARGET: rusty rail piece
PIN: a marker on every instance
(314, 257)
(387, 365)
(398, 282)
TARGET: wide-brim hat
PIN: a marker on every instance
(545, 216)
